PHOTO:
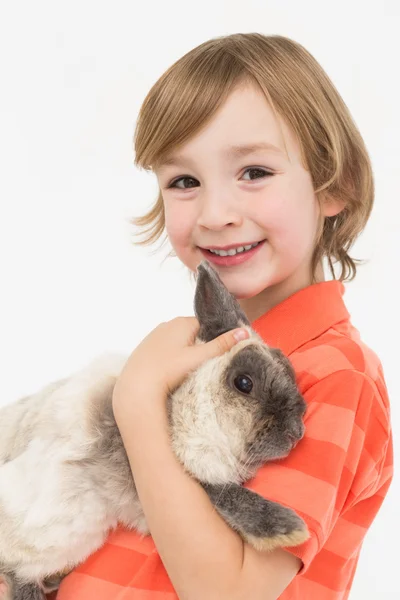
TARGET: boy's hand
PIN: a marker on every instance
(165, 357)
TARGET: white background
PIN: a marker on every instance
(73, 76)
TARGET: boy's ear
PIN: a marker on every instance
(216, 309)
(331, 206)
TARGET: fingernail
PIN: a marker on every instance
(240, 334)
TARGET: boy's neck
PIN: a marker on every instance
(272, 296)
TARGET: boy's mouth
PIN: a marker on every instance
(233, 255)
(232, 249)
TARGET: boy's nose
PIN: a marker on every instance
(216, 214)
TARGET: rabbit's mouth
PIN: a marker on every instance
(293, 441)
(294, 438)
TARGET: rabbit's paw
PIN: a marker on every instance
(263, 524)
(288, 529)
(29, 591)
(11, 589)
(53, 582)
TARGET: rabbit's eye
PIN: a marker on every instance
(243, 383)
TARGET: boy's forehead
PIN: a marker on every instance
(282, 145)
(245, 124)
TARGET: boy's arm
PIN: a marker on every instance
(203, 556)
(345, 458)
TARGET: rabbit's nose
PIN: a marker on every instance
(296, 432)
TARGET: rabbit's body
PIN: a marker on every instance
(65, 480)
(59, 495)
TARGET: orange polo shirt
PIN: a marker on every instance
(335, 479)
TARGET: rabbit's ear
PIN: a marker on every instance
(216, 309)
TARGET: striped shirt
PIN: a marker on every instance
(336, 478)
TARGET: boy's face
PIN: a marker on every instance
(222, 203)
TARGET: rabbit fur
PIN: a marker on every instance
(65, 480)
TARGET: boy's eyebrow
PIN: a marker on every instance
(230, 152)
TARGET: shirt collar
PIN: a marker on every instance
(303, 316)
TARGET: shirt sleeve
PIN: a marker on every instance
(342, 461)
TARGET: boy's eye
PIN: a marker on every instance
(262, 173)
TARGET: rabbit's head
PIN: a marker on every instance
(238, 410)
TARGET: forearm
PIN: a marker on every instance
(201, 553)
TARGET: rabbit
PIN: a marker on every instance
(65, 479)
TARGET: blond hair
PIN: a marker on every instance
(190, 92)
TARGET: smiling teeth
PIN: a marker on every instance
(234, 251)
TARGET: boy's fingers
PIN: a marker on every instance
(202, 352)
(226, 341)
